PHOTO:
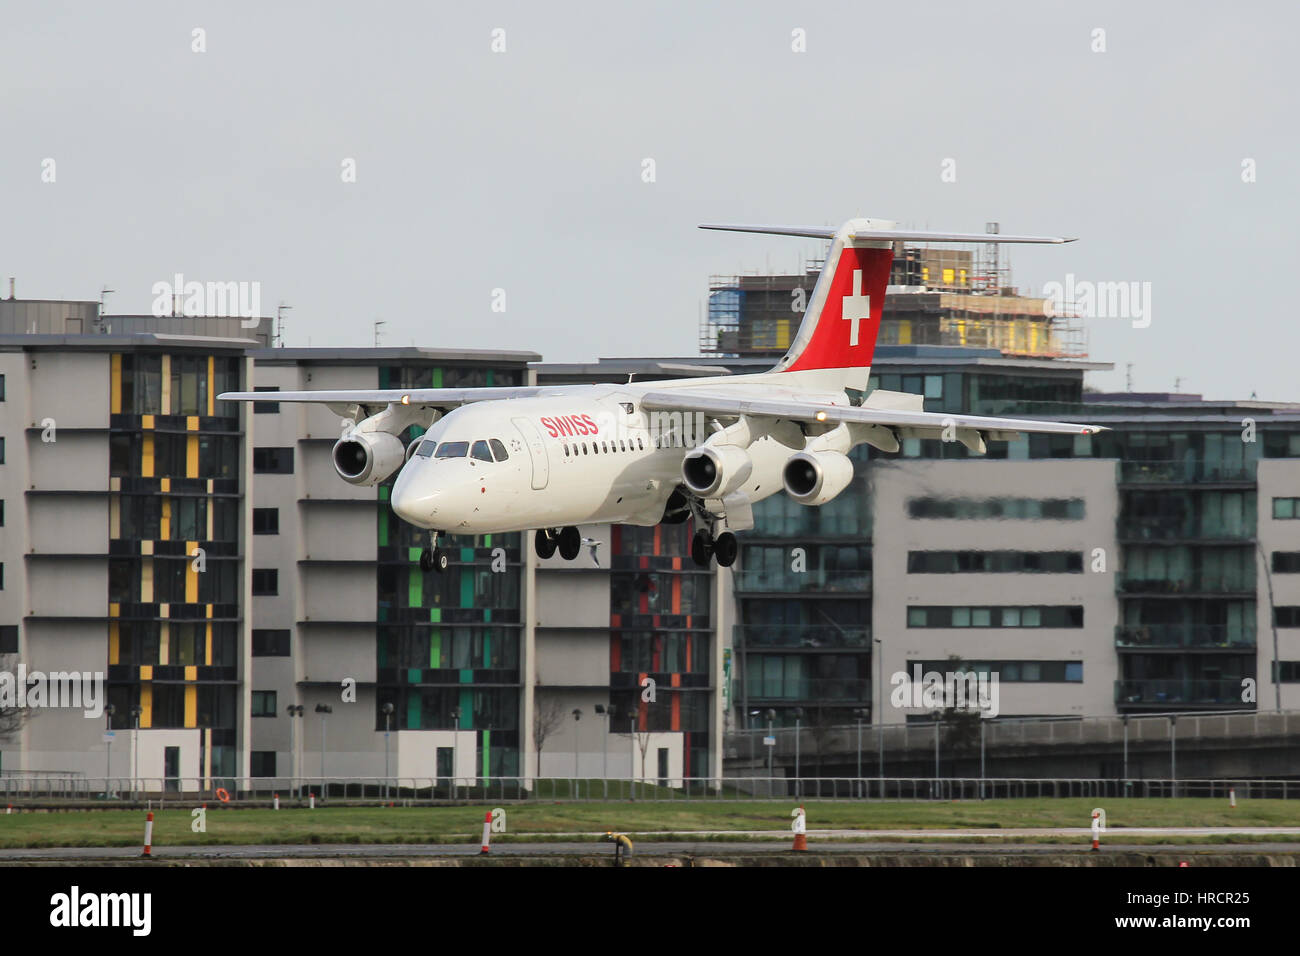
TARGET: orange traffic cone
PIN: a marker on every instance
(487, 832)
(1096, 832)
(800, 839)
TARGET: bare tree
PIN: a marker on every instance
(547, 719)
(12, 717)
(643, 744)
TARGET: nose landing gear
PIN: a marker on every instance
(433, 558)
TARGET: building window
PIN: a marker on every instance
(2, 388)
(266, 581)
(1057, 509)
(2, 451)
(270, 642)
(1287, 616)
(266, 521)
(1285, 508)
(1032, 616)
(1288, 672)
(1013, 672)
(266, 408)
(995, 562)
(8, 638)
(261, 763)
(263, 703)
(1286, 562)
(273, 461)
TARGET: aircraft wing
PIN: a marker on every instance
(729, 406)
(425, 397)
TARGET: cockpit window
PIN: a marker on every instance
(426, 448)
(480, 451)
(498, 449)
(452, 449)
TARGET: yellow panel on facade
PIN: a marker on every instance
(948, 276)
(192, 456)
(146, 582)
(192, 672)
(191, 423)
(114, 517)
(114, 609)
(146, 672)
(164, 644)
(146, 456)
(166, 384)
(146, 422)
(165, 522)
(114, 641)
(115, 377)
(783, 333)
(165, 484)
(207, 643)
(146, 703)
(191, 576)
(191, 706)
(211, 376)
(905, 332)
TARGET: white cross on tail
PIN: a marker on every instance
(856, 307)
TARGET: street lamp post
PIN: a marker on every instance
(323, 710)
(455, 750)
(577, 715)
(109, 711)
(631, 736)
(388, 729)
(798, 718)
(294, 710)
(136, 711)
(858, 715)
(937, 717)
(1173, 755)
(878, 714)
(1124, 718)
(605, 713)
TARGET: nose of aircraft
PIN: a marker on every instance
(413, 496)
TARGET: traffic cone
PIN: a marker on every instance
(487, 831)
(277, 800)
(1096, 833)
(148, 836)
(1232, 798)
(800, 839)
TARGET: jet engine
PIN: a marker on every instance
(815, 477)
(367, 458)
(712, 471)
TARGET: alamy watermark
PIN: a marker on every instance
(935, 690)
(1099, 300)
(57, 689)
(241, 300)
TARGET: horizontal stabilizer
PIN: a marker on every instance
(893, 235)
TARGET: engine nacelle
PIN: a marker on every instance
(712, 471)
(814, 478)
(367, 458)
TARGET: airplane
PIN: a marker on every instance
(548, 459)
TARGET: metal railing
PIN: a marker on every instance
(248, 792)
(1184, 635)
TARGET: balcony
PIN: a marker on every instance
(1163, 694)
(1241, 582)
(1132, 528)
(1185, 471)
(814, 580)
(810, 689)
(802, 635)
(1140, 636)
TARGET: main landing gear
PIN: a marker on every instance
(704, 546)
(433, 558)
(568, 541)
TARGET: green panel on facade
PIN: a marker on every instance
(487, 614)
(413, 675)
(467, 709)
(415, 590)
(491, 377)
(435, 615)
(413, 554)
(383, 492)
(413, 712)
(435, 376)
(466, 676)
(383, 532)
(435, 649)
(487, 753)
(467, 585)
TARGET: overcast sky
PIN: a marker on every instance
(522, 170)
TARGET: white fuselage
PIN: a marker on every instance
(572, 458)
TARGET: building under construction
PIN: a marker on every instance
(935, 297)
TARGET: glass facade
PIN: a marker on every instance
(174, 551)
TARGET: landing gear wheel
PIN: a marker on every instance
(570, 543)
(433, 559)
(725, 548)
(544, 543)
(702, 548)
